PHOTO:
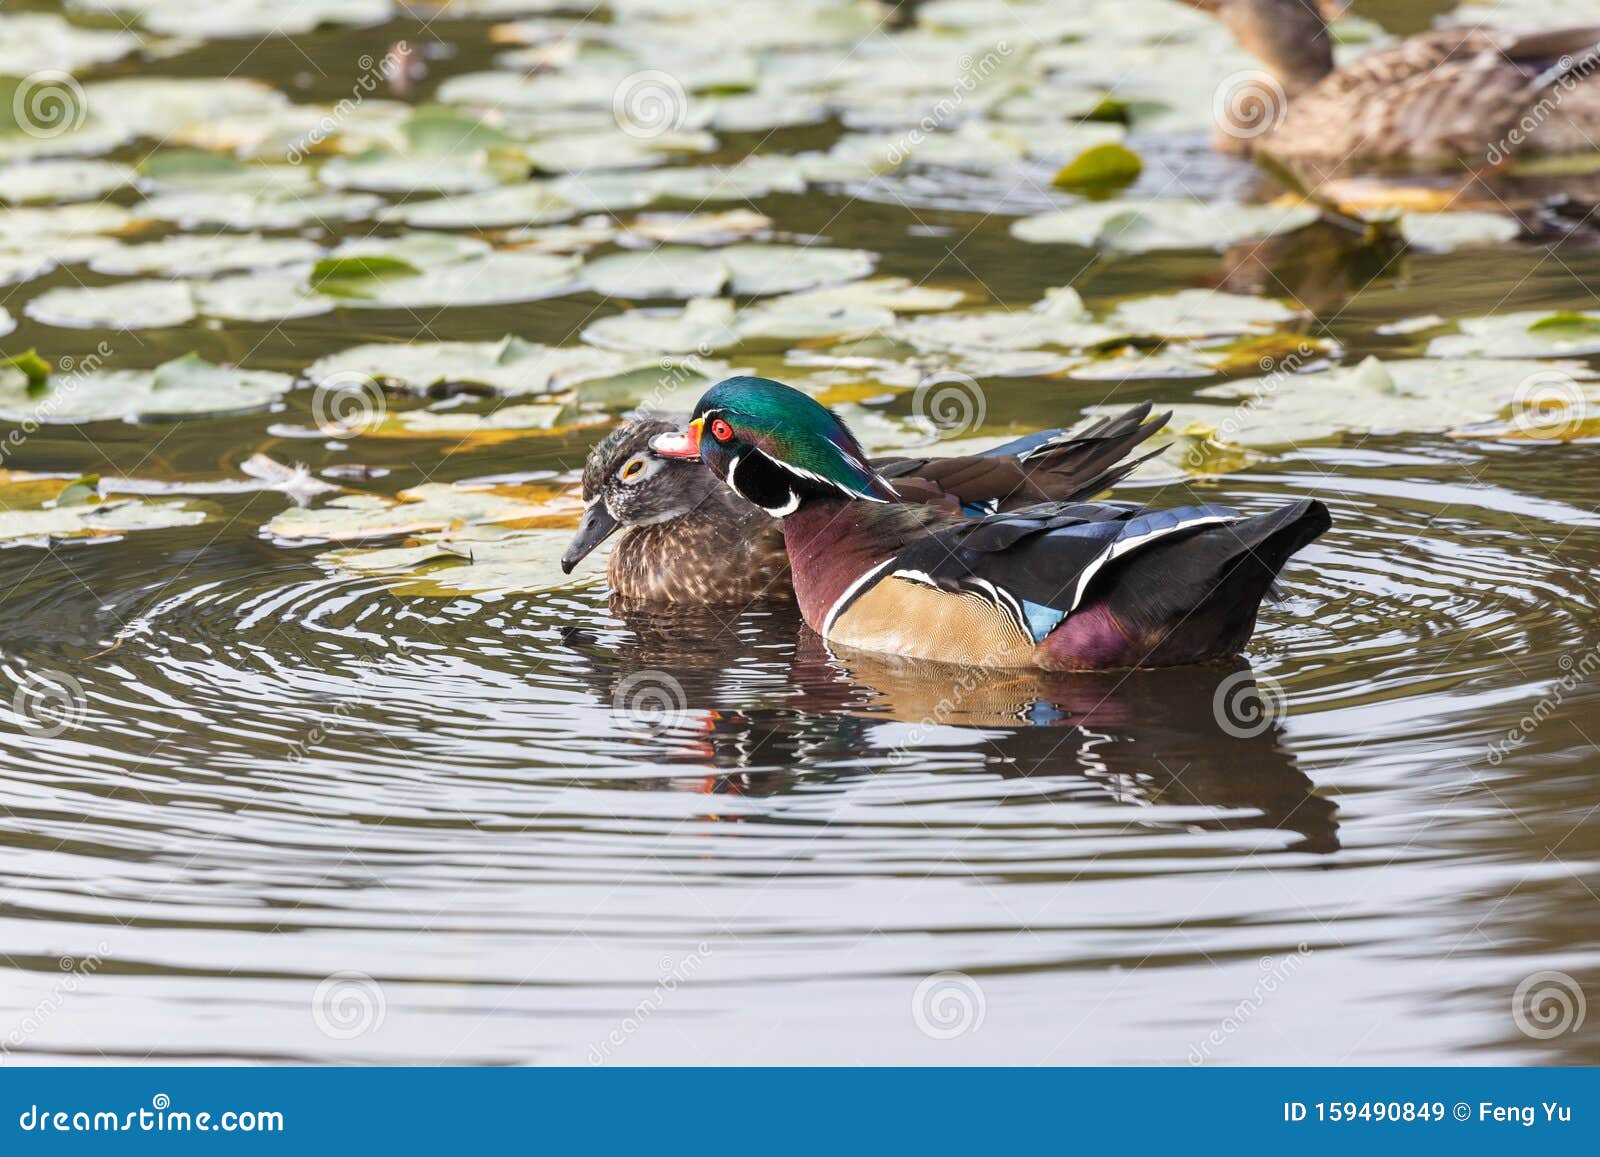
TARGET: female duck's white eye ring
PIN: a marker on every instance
(632, 470)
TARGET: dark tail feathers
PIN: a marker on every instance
(1195, 598)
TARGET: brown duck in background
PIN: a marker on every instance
(1468, 96)
(687, 538)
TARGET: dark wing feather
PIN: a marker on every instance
(1043, 556)
(1049, 466)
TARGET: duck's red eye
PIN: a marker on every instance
(720, 430)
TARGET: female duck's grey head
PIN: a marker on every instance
(625, 484)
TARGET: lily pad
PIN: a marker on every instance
(510, 367)
(39, 510)
(62, 180)
(252, 18)
(130, 305)
(245, 211)
(1442, 232)
(668, 271)
(1134, 226)
(183, 388)
(1525, 334)
(38, 41)
(473, 560)
(185, 255)
(1195, 313)
(1059, 319)
(431, 507)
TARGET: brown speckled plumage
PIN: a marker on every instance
(1467, 95)
(727, 552)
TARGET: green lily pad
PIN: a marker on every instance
(129, 305)
(183, 388)
(357, 276)
(1442, 232)
(1195, 313)
(482, 560)
(252, 18)
(184, 255)
(1099, 167)
(510, 367)
(1524, 334)
(38, 41)
(1138, 226)
(668, 271)
(38, 509)
(525, 204)
(430, 507)
(246, 211)
(62, 180)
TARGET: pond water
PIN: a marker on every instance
(286, 811)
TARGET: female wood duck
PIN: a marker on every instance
(690, 540)
(1059, 585)
(1433, 100)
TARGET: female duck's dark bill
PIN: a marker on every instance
(679, 445)
(597, 526)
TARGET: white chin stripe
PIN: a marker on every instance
(786, 509)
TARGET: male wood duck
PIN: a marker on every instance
(688, 539)
(1436, 99)
(1058, 586)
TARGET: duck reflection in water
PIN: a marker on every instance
(769, 717)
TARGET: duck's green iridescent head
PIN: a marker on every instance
(775, 446)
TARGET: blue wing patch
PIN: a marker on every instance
(1041, 620)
